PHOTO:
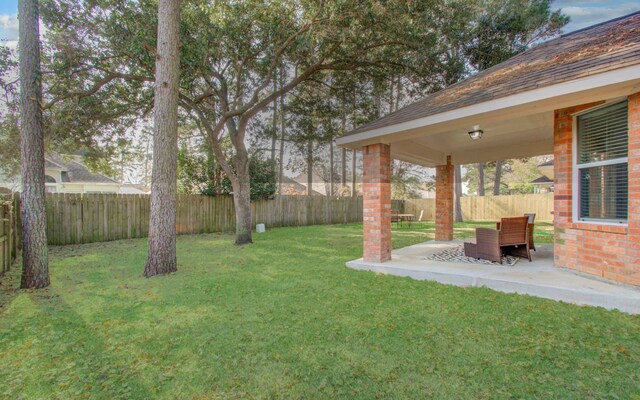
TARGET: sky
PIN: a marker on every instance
(583, 13)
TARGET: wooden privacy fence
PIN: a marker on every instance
(75, 218)
(489, 208)
(8, 234)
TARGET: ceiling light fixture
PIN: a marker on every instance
(476, 133)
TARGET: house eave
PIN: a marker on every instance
(600, 86)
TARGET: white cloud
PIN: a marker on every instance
(9, 27)
(585, 13)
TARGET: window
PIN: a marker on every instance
(50, 184)
(601, 164)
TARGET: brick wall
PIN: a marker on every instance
(609, 251)
(444, 201)
(376, 190)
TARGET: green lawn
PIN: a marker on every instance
(283, 318)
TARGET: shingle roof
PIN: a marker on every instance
(76, 172)
(297, 187)
(607, 46)
(541, 180)
(51, 164)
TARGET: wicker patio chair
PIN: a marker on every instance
(512, 237)
(530, 224)
(487, 245)
(532, 219)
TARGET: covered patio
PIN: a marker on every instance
(533, 104)
(539, 278)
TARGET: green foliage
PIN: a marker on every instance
(516, 175)
(285, 319)
(9, 132)
(263, 177)
(9, 144)
(198, 172)
(506, 28)
(408, 180)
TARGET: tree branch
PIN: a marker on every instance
(96, 87)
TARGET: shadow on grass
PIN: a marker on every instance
(66, 356)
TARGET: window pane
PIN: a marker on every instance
(602, 134)
(603, 192)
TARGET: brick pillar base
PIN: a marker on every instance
(377, 202)
(444, 201)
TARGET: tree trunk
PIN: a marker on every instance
(275, 123)
(497, 179)
(343, 159)
(343, 171)
(331, 177)
(309, 168)
(480, 179)
(162, 217)
(35, 260)
(354, 192)
(458, 192)
(398, 93)
(242, 200)
(391, 96)
(282, 130)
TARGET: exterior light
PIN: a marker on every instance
(476, 133)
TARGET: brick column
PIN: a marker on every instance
(377, 202)
(444, 201)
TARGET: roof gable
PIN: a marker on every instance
(76, 172)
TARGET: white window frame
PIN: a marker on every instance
(575, 170)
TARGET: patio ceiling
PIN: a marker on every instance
(514, 126)
(526, 136)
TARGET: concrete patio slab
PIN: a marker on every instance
(538, 278)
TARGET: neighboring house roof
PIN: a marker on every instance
(543, 180)
(600, 48)
(75, 172)
(50, 164)
(297, 187)
(302, 178)
(132, 189)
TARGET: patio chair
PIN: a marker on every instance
(532, 218)
(395, 217)
(530, 224)
(487, 245)
(512, 237)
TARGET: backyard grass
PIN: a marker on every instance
(283, 318)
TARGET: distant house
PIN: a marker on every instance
(318, 185)
(66, 174)
(544, 184)
(132, 188)
(291, 187)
